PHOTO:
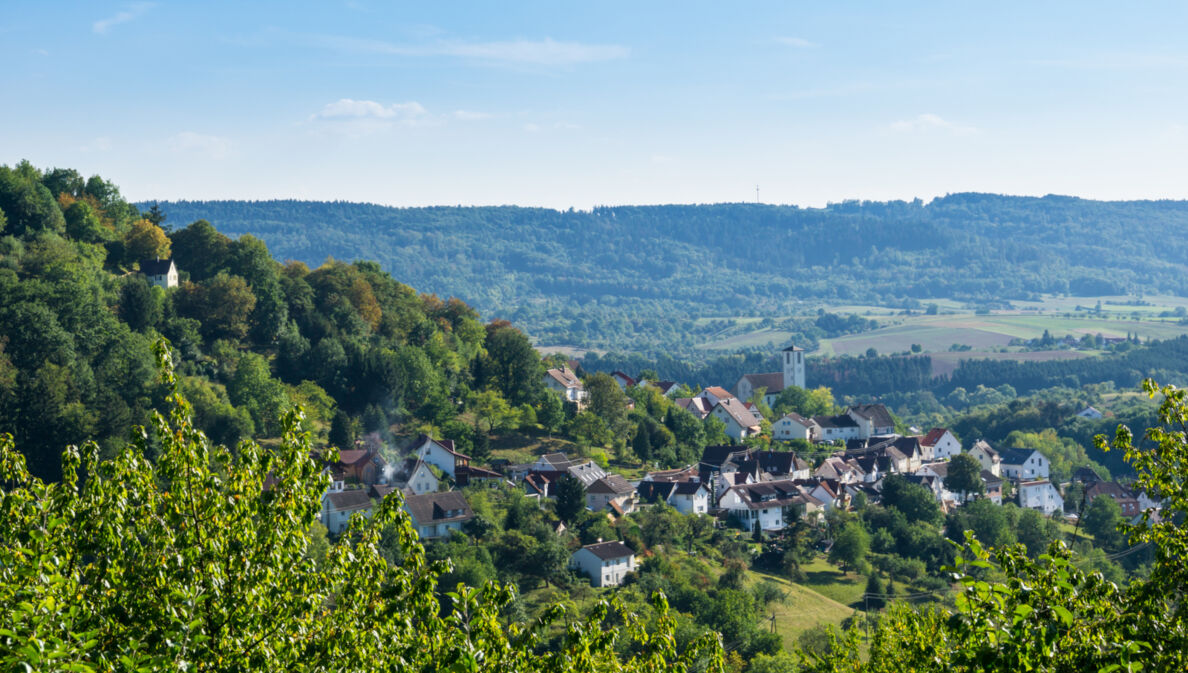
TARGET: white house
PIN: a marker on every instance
(1090, 413)
(942, 444)
(414, 474)
(159, 272)
(686, 497)
(740, 421)
(437, 514)
(338, 506)
(698, 406)
(1024, 464)
(606, 563)
(1040, 494)
(833, 428)
(872, 419)
(565, 382)
(795, 426)
(440, 453)
(769, 504)
(989, 458)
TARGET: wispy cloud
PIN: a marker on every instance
(1115, 61)
(547, 52)
(470, 115)
(213, 147)
(346, 108)
(931, 122)
(133, 11)
(797, 42)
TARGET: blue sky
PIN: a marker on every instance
(580, 104)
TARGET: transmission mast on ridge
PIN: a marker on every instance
(756, 193)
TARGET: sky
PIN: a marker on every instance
(564, 105)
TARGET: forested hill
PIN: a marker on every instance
(641, 273)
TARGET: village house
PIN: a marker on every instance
(437, 514)
(414, 475)
(1126, 499)
(740, 421)
(1040, 494)
(469, 475)
(698, 406)
(941, 443)
(611, 490)
(774, 383)
(623, 380)
(1024, 464)
(667, 388)
(605, 563)
(872, 419)
(989, 458)
(686, 497)
(769, 504)
(567, 383)
(585, 471)
(794, 426)
(159, 272)
(833, 428)
(993, 486)
(715, 394)
(1090, 413)
(439, 453)
(364, 466)
(338, 506)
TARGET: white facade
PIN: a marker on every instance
(432, 452)
(946, 447)
(734, 429)
(1034, 466)
(769, 518)
(987, 457)
(794, 427)
(422, 480)
(691, 503)
(1041, 495)
(793, 361)
(604, 572)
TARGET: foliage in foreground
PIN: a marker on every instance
(192, 563)
(1048, 615)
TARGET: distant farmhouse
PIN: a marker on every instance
(159, 272)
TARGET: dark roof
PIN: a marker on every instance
(877, 414)
(155, 267)
(989, 478)
(380, 491)
(652, 491)
(627, 378)
(1086, 475)
(688, 487)
(1016, 456)
(779, 462)
(714, 456)
(611, 483)
(436, 507)
(353, 456)
(839, 421)
(609, 550)
(355, 498)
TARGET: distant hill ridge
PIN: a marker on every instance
(634, 268)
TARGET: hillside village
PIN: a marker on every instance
(762, 487)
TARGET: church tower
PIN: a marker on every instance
(793, 366)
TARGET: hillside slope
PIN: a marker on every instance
(641, 274)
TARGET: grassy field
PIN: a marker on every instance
(1060, 316)
(801, 609)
